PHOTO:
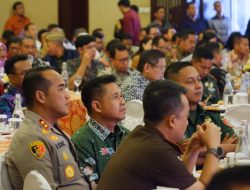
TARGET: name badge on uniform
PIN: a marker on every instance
(60, 145)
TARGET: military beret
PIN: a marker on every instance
(55, 36)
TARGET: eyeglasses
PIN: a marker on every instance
(123, 60)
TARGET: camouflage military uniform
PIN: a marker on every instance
(210, 89)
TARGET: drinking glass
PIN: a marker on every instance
(77, 83)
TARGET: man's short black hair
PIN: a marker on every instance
(17, 3)
(117, 47)
(83, 40)
(94, 89)
(40, 33)
(135, 8)
(231, 177)
(10, 63)
(202, 53)
(213, 46)
(34, 81)
(124, 3)
(162, 98)
(7, 34)
(187, 5)
(151, 57)
(175, 68)
(124, 36)
(26, 27)
(111, 43)
(148, 28)
(159, 7)
(185, 33)
(156, 40)
(97, 34)
(13, 39)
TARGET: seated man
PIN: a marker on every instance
(186, 75)
(28, 47)
(98, 140)
(56, 53)
(15, 68)
(84, 66)
(39, 144)
(151, 66)
(202, 61)
(235, 178)
(119, 57)
(149, 157)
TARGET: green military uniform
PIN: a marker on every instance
(199, 116)
(210, 88)
(37, 146)
(95, 145)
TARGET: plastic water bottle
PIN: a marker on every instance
(228, 91)
(241, 97)
(65, 74)
(242, 151)
(18, 110)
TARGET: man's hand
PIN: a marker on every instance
(209, 134)
(230, 139)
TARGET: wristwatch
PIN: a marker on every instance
(218, 152)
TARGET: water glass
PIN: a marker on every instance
(15, 123)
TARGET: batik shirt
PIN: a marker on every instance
(91, 71)
(95, 145)
(7, 103)
(120, 77)
(134, 86)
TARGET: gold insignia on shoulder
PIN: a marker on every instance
(53, 137)
(37, 148)
(65, 156)
(45, 131)
(43, 124)
(69, 171)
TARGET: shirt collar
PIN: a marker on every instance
(99, 130)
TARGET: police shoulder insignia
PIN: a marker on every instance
(226, 122)
(45, 131)
(69, 171)
(53, 137)
(65, 156)
(37, 148)
(43, 124)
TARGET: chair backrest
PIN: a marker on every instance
(4, 175)
(35, 181)
(134, 114)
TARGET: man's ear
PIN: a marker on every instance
(12, 79)
(146, 67)
(40, 97)
(96, 106)
(172, 121)
(80, 50)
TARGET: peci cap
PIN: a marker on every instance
(55, 36)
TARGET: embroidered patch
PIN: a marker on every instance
(88, 171)
(53, 137)
(65, 156)
(105, 151)
(91, 161)
(227, 123)
(43, 124)
(38, 149)
(69, 171)
(208, 119)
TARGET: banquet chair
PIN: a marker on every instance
(134, 114)
(4, 178)
(35, 181)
